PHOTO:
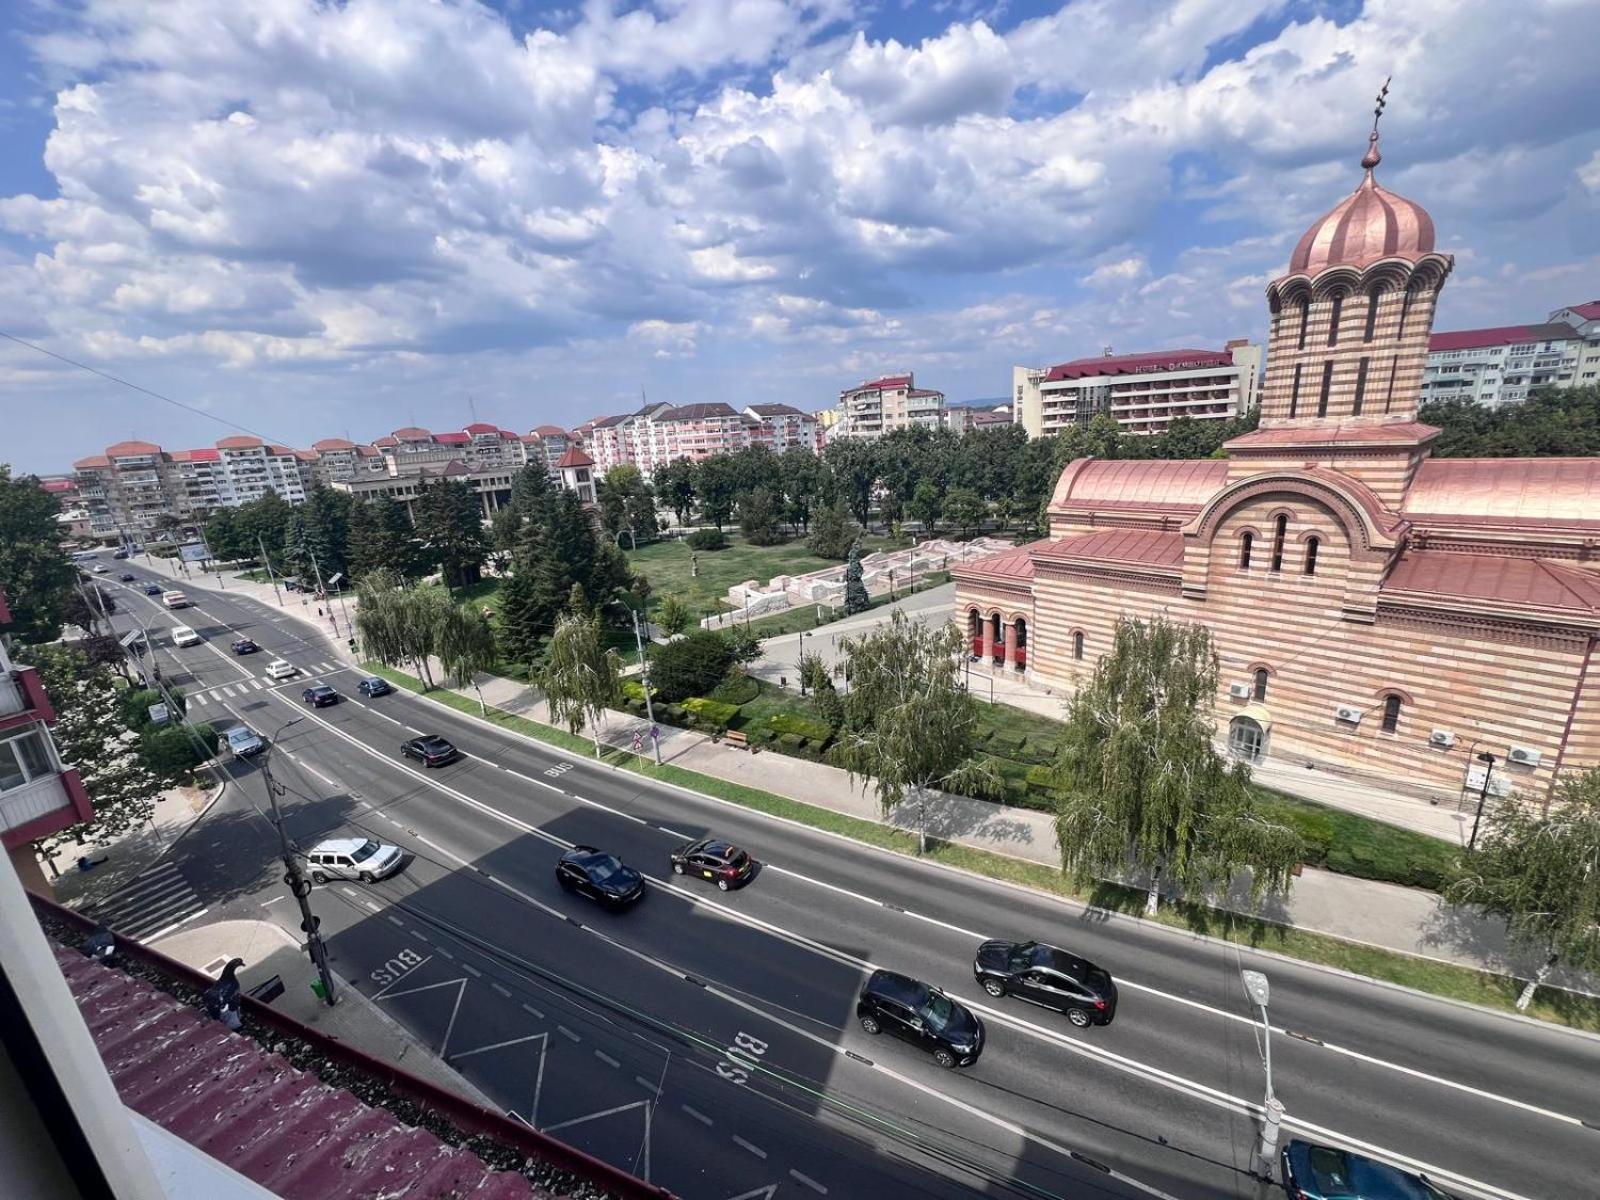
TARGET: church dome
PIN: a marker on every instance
(1369, 224)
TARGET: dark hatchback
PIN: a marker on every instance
(1048, 977)
(320, 695)
(125, 577)
(245, 646)
(430, 750)
(1326, 1173)
(921, 1014)
(374, 687)
(152, 589)
(726, 866)
(599, 876)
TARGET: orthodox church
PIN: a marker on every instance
(1376, 611)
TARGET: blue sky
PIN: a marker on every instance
(316, 219)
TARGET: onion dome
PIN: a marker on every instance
(1370, 224)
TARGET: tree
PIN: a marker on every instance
(801, 474)
(531, 489)
(854, 471)
(398, 623)
(383, 539)
(1143, 787)
(674, 615)
(691, 666)
(627, 505)
(1551, 421)
(675, 483)
(35, 575)
(832, 532)
(909, 724)
(90, 732)
(450, 522)
(581, 678)
(965, 509)
(464, 644)
(743, 642)
(716, 482)
(925, 506)
(814, 674)
(856, 599)
(524, 623)
(326, 517)
(758, 518)
(1540, 873)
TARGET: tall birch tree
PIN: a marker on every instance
(581, 678)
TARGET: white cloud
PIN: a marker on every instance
(1117, 272)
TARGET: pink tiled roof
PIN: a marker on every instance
(545, 431)
(1168, 484)
(1127, 364)
(385, 441)
(452, 439)
(1144, 547)
(1016, 564)
(888, 381)
(1513, 491)
(1589, 310)
(574, 457)
(411, 433)
(481, 427)
(1399, 433)
(333, 444)
(94, 460)
(239, 441)
(131, 448)
(204, 454)
(1498, 335)
(1526, 582)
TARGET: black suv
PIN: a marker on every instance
(922, 1015)
(1048, 977)
(600, 876)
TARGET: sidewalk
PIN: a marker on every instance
(268, 949)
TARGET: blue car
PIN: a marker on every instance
(1327, 1173)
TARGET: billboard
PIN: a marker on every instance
(194, 552)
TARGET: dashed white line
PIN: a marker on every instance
(750, 1146)
(807, 1181)
(504, 991)
(528, 1008)
(446, 953)
(472, 970)
(647, 1085)
(697, 1115)
(675, 833)
(606, 1058)
(370, 905)
(394, 920)
(565, 1032)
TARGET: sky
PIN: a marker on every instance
(310, 219)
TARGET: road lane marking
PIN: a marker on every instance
(697, 1115)
(750, 1146)
(504, 991)
(565, 1032)
(807, 1181)
(472, 970)
(606, 1058)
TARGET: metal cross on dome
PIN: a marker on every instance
(1383, 100)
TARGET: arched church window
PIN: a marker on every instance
(1077, 646)
(1405, 311)
(1305, 320)
(1391, 713)
(1333, 320)
(1312, 546)
(1246, 541)
(1260, 692)
(1372, 313)
(1280, 530)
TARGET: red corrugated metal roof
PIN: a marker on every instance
(239, 441)
(888, 381)
(131, 448)
(1589, 310)
(545, 431)
(452, 439)
(412, 433)
(1400, 433)
(1499, 335)
(1129, 364)
(481, 427)
(333, 444)
(94, 460)
(204, 454)
(1145, 547)
(1530, 582)
(59, 485)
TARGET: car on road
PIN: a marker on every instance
(430, 750)
(152, 589)
(726, 866)
(120, 554)
(174, 599)
(280, 668)
(353, 858)
(125, 577)
(374, 687)
(923, 1015)
(600, 876)
(244, 646)
(99, 568)
(244, 741)
(320, 695)
(183, 635)
(1049, 977)
(1312, 1172)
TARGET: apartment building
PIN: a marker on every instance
(480, 447)
(340, 458)
(659, 433)
(39, 794)
(492, 485)
(1144, 393)
(1503, 364)
(980, 414)
(548, 444)
(781, 426)
(879, 406)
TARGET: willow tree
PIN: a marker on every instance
(401, 624)
(909, 725)
(1541, 874)
(1143, 787)
(581, 678)
(464, 643)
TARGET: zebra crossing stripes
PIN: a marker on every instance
(151, 904)
(232, 691)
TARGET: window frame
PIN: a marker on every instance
(42, 748)
(1393, 709)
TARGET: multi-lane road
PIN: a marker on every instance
(709, 1041)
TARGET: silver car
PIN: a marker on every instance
(244, 741)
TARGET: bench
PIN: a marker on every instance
(736, 739)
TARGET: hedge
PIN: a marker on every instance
(1350, 844)
(711, 713)
(798, 726)
(736, 690)
(632, 689)
(707, 539)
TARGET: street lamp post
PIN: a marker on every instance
(299, 885)
(800, 660)
(1483, 796)
(1255, 983)
(644, 678)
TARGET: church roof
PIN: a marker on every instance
(1014, 564)
(1506, 491)
(574, 457)
(1397, 433)
(1495, 579)
(1139, 547)
(1370, 224)
(1171, 485)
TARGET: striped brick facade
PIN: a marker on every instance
(1374, 612)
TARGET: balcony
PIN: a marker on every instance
(21, 692)
(42, 807)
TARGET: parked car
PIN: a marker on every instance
(726, 866)
(430, 750)
(1048, 977)
(244, 741)
(374, 687)
(280, 668)
(320, 695)
(182, 635)
(1313, 1172)
(353, 858)
(125, 577)
(244, 646)
(599, 876)
(920, 1014)
(152, 589)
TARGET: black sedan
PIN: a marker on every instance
(152, 589)
(1048, 977)
(320, 695)
(430, 750)
(374, 687)
(125, 577)
(599, 876)
(244, 646)
(726, 866)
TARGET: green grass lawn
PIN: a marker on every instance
(667, 566)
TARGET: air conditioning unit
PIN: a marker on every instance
(1347, 712)
(1523, 756)
(1239, 691)
(1442, 738)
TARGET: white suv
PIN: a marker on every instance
(182, 635)
(353, 858)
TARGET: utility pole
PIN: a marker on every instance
(800, 661)
(299, 885)
(644, 668)
(271, 574)
(207, 545)
(322, 590)
(1255, 983)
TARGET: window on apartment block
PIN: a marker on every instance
(1280, 530)
(23, 759)
(1391, 713)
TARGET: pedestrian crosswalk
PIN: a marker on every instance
(233, 691)
(150, 905)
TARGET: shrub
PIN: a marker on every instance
(694, 665)
(710, 713)
(792, 742)
(759, 736)
(137, 701)
(632, 689)
(169, 752)
(805, 727)
(736, 689)
(1041, 777)
(707, 539)
(675, 714)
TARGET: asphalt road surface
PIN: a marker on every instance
(708, 1041)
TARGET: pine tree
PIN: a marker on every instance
(832, 532)
(450, 522)
(855, 591)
